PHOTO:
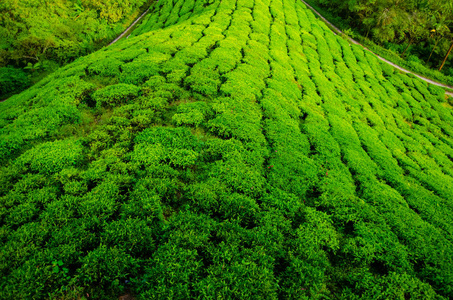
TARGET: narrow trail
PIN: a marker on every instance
(128, 28)
(336, 30)
(119, 37)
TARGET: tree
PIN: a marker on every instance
(437, 33)
(389, 18)
(365, 11)
(446, 9)
(446, 56)
(415, 28)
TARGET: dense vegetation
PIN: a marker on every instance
(233, 149)
(35, 30)
(39, 35)
(12, 80)
(421, 31)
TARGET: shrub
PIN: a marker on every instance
(133, 234)
(107, 268)
(12, 81)
(105, 67)
(191, 113)
(115, 95)
(51, 157)
(206, 82)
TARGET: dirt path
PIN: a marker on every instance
(119, 37)
(338, 31)
(128, 28)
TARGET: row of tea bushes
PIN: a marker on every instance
(231, 149)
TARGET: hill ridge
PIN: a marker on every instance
(234, 149)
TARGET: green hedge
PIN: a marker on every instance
(228, 149)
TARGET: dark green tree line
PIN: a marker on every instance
(40, 35)
(32, 31)
(425, 24)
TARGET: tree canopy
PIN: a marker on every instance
(61, 30)
(426, 23)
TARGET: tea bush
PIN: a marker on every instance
(115, 95)
(51, 157)
(228, 149)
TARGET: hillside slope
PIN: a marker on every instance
(232, 149)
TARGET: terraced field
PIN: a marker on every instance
(232, 149)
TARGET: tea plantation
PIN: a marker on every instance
(232, 149)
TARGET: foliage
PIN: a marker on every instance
(50, 157)
(114, 95)
(62, 30)
(12, 80)
(229, 149)
(425, 26)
